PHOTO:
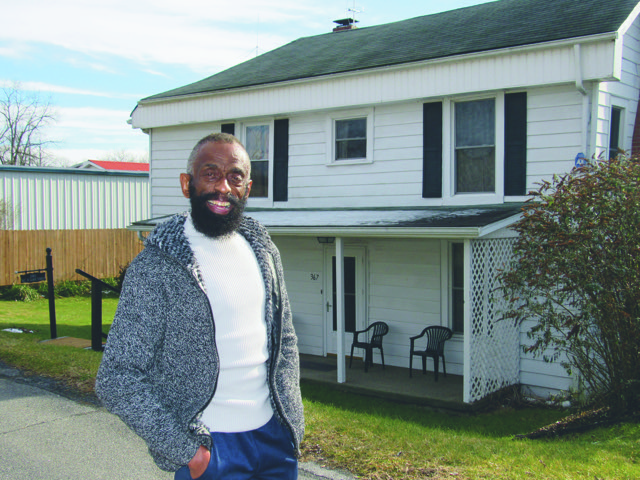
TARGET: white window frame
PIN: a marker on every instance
(449, 153)
(367, 113)
(261, 201)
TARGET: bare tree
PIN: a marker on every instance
(23, 117)
(8, 214)
(123, 155)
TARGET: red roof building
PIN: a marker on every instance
(113, 166)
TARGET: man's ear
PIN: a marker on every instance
(185, 180)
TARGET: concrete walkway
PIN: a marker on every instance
(49, 436)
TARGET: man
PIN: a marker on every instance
(202, 359)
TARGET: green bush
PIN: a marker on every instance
(22, 293)
(576, 276)
(70, 288)
(113, 282)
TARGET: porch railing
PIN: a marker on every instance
(97, 286)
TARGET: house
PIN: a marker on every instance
(406, 150)
(108, 165)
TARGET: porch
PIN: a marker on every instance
(392, 383)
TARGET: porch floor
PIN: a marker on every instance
(392, 383)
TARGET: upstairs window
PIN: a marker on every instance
(257, 145)
(475, 150)
(351, 138)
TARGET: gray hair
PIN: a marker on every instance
(211, 138)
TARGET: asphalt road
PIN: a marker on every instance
(49, 433)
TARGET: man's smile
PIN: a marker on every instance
(221, 207)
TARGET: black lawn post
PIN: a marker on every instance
(51, 294)
(96, 315)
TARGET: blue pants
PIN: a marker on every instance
(263, 454)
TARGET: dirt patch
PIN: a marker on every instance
(579, 423)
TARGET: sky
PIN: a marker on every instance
(93, 60)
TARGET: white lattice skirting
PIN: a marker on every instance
(494, 345)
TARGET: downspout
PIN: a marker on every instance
(578, 64)
(577, 54)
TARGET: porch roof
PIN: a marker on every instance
(434, 222)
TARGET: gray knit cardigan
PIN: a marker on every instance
(160, 365)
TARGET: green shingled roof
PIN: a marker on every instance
(490, 26)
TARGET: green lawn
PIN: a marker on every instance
(372, 438)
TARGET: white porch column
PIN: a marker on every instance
(466, 379)
(340, 309)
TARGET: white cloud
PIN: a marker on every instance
(98, 118)
(202, 35)
(14, 50)
(80, 131)
(50, 88)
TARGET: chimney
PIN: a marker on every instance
(345, 24)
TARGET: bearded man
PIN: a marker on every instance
(202, 360)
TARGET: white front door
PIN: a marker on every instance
(354, 296)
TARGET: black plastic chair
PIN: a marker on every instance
(380, 329)
(436, 336)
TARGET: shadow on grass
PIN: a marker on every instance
(500, 423)
(43, 330)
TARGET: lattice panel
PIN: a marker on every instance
(494, 345)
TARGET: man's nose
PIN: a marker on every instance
(222, 185)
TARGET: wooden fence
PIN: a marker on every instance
(100, 253)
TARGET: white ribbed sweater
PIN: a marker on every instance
(236, 293)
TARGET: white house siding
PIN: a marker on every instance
(392, 179)
(302, 259)
(554, 138)
(554, 131)
(624, 94)
(57, 199)
(539, 376)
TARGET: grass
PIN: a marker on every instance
(373, 439)
(381, 440)
(76, 367)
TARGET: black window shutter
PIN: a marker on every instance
(515, 143)
(432, 150)
(229, 128)
(280, 160)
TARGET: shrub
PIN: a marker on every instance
(576, 275)
(22, 293)
(71, 288)
(113, 282)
